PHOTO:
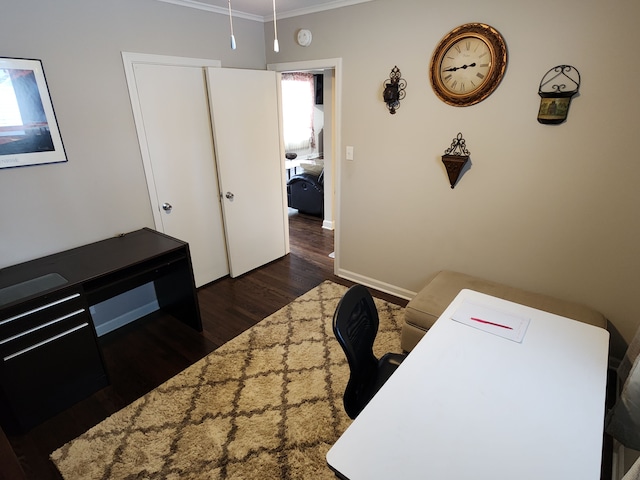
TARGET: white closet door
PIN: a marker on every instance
(244, 111)
(177, 138)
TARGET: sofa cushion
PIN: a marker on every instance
(427, 306)
(313, 168)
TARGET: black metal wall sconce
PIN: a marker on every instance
(394, 90)
(455, 158)
(557, 87)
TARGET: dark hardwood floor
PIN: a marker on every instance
(142, 355)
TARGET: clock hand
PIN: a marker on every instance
(453, 69)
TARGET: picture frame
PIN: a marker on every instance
(29, 133)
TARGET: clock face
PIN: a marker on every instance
(465, 66)
(468, 64)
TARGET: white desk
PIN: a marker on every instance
(467, 404)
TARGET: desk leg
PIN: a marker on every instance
(11, 468)
(176, 294)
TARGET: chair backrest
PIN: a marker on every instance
(355, 325)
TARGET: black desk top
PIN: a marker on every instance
(86, 263)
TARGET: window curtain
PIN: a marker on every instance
(298, 94)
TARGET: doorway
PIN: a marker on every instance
(331, 70)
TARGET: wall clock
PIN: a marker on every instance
(468, 64)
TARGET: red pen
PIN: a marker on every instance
(490, 323)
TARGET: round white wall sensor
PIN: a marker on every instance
(304, 37)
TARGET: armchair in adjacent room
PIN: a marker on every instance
(305, 193)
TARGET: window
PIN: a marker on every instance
(298, 96)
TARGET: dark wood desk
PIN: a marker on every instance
(49, 352)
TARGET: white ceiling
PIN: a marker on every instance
(262, 10)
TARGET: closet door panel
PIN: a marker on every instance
(244, 112)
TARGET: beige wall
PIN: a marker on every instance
(101, 191)
(547, 208)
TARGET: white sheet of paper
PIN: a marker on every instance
(504, 324)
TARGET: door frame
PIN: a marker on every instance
(332, 173)
(129, 59)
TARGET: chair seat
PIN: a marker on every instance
(386, 366)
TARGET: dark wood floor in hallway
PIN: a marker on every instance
(142, 355)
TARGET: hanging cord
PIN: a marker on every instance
(233, 39)
(276, 46)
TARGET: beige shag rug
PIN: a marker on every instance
(266, 405)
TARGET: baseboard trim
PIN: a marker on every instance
(376, 284)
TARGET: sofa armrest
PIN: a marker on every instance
(315, 180)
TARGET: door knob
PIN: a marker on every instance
(229, 195)
(166, 207)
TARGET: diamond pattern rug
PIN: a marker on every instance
(266, 405)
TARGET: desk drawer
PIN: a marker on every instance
(38, 312)
(49, 358)
(44, 379)
(48, 330)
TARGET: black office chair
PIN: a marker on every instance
(355, 325)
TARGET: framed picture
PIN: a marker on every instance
(29, 132)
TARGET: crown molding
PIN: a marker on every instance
(269, 18)
(315, 9)
(212, 8)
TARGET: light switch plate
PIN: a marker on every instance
(349, 152)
